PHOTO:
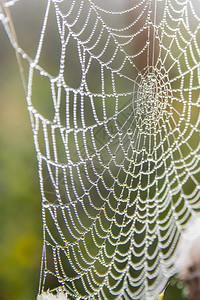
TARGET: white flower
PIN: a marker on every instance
(188, 251)
(48, 296)
(188, 258)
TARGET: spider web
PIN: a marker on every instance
(118, 146)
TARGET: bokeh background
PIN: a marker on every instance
(20, 200)
(20, 209)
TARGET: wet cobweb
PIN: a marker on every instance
(116, 134)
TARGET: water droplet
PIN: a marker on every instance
(150, 157)
(148, 42)
(133, 148)
(187, 123)
(32, 64)
(153, 78)
(129, 131)
(46, 204)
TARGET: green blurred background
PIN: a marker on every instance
(20, 208)
(20, 203)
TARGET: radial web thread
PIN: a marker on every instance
(118, 155)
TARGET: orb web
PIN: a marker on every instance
(118, 154)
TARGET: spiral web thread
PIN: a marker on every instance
(119, 156)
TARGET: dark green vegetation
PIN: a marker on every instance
(20, 208)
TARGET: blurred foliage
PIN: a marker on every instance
(20, 213)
